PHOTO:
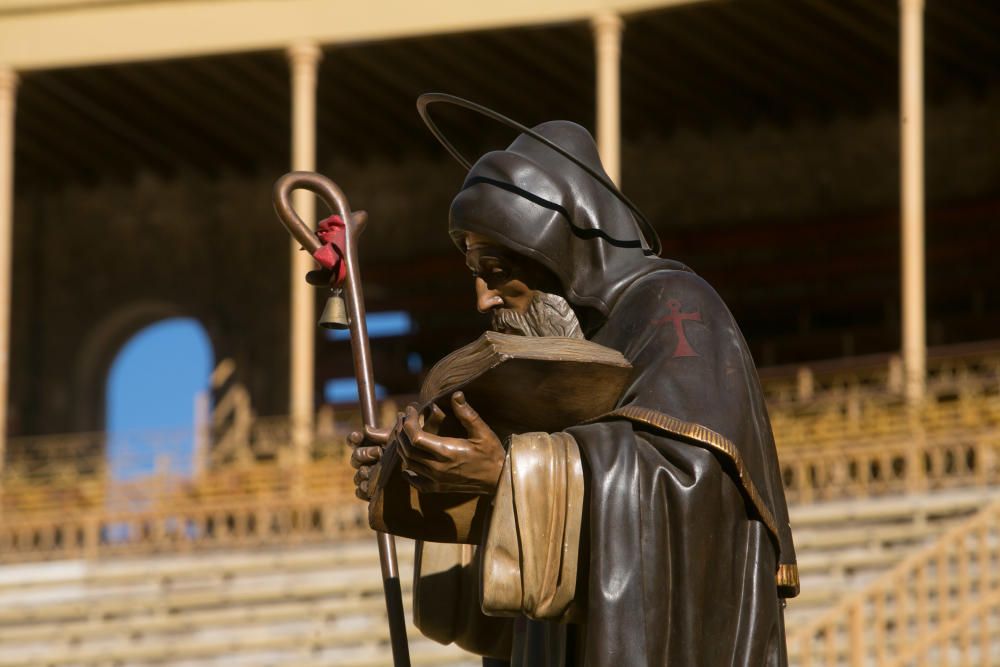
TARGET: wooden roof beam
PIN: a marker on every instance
(132, 31)
(75, 133)
(157, 155)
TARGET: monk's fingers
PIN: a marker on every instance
(412, 431)
(403, 431)
(425, 467)
(418, 443)
(355, 438)
(433, 423)
(362, 475)
(379, 435)
(430, 447)
(361, 491)
(421, 417)
(411, 423)
(365, 456)
(473, 423)
(417, 450)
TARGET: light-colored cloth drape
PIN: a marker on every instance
(531, 551)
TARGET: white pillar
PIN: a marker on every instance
(304, 61)
(911, 63)
(607, 46)
(8, 100)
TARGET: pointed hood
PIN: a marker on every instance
(539, 204)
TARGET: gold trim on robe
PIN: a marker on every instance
(787, 576)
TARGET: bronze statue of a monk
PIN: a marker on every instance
(653, 534)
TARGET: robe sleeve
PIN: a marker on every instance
(531, 550)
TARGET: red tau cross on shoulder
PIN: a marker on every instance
(678, 318)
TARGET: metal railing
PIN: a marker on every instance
(880, 376)
(839, 444)
(910, 463)
(940, 606)
(183, 526)
(232, 507)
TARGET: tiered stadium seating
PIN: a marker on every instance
(322, 605)
(305, 606)
(262, 565)
(844, 545)
(938, 606)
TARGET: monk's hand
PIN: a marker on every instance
(367, 452)
(438, 464)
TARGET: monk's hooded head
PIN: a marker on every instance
(529, 202)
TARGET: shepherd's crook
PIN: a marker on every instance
(355, 223)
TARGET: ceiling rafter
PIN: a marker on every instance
(341, 114)
(341, 108)
(881, 41)
(78, 134)
(35, 140)
(482, 57)
(143, 96)
(33, 152)
(262, 74)
(754, 44)
(967, 53)
(815, 47)
(703, 66)
(269, 120)
(655, 89)
(156, 155)
(222, 112)
(747, 62)
(557, 46)
(732, 91)
(521, 52)
(388, 85)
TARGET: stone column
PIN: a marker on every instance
(8, 100)
(911, 75)
(304, 60)
(607, 46)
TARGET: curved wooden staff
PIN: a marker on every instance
(355, 223)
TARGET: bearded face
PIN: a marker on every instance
(520, 295)
(546, 315)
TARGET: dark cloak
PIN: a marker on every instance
(688, 546)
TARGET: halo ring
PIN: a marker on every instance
(424, 102)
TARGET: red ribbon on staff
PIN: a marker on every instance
(332, 232)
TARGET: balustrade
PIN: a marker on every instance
(182, 524)
(59, 496)
(939, 606)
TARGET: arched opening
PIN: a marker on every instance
(152, 389)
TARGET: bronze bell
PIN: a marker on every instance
(335, 312)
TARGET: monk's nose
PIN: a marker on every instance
(486, 299)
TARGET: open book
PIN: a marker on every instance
(517, 384)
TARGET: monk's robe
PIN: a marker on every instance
(683, 550)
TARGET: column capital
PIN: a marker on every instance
(8, 79)
(607, 22)
(304, 53)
